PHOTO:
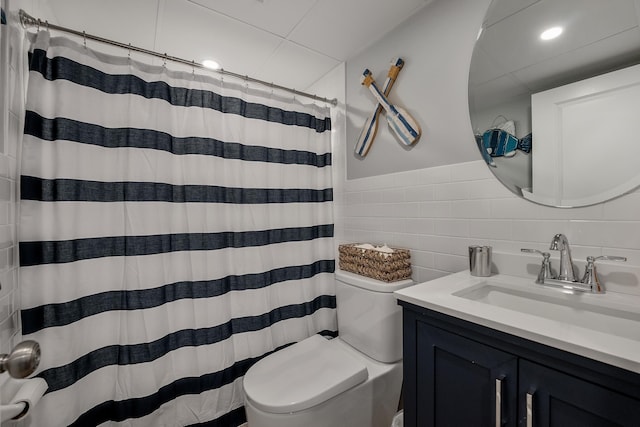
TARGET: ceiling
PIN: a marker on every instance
(288, 42)
(510, 60)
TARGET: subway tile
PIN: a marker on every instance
(471, 209)
(352, 198)
(451, 263)
(538, 231)
(421, 193)
(438, 222)
(421, 275)
(436, 209)
(490, 229)
(451, 227)
(395, 225)
(4, 258)
(626, 208)
(408, 178)
(422, 259)
(11, 145)
(5, 213)
(621, 234)
(5, 166)
(405, 240)
(408, 210)
(418, 226)
(470, 171)
(6, 236)
(488, 189)
(371, 197)
(7, 281)
(5, 190)
(395, 195)
(440, 244)
(6, 307)
(514, 208)
(452, 191)
(7, 329)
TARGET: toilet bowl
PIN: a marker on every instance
(353, 380)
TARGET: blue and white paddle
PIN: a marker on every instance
(399, 120)
(368, 133)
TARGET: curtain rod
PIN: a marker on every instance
(29, 21)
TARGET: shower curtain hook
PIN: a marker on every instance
(38, 26)
(47, 24)
(84, 39)
(164, 64)
(129, 53)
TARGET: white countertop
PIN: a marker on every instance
(621, 350)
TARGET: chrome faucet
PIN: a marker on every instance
(567, 278)
(566, 272)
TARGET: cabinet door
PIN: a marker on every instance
(460, 382)
(551, 398)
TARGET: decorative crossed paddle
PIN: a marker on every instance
(368, 133)
(400, 121)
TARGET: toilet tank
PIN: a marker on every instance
(369, 318)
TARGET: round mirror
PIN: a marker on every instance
(554, 98)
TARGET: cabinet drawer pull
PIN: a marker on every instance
(529, 410)
(498, 402)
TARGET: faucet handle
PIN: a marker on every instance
(545, 268)
(591, 275)
(531, 251)
(607, 258)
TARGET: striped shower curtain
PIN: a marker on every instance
(174, 229)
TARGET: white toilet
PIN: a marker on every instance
(353, 380)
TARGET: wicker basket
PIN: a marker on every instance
(375, 264)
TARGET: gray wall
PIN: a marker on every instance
(436, 44)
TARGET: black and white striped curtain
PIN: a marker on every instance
(174, 228)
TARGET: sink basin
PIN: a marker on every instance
(592, 312)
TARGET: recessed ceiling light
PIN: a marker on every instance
(551, 33)
(209, 63)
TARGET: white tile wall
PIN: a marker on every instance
(439, 212)
(10, 113)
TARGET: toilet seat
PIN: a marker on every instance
(302, 375)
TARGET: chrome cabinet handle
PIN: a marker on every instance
(529, 410)
(498, 402)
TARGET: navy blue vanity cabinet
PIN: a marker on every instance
(555, 399)
(458, 373)
(462, 381)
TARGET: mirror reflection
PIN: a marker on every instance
(554, 95)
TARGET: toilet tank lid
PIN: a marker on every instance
(301, 376)
(371, 284)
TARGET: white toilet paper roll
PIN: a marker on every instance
(30, 393)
